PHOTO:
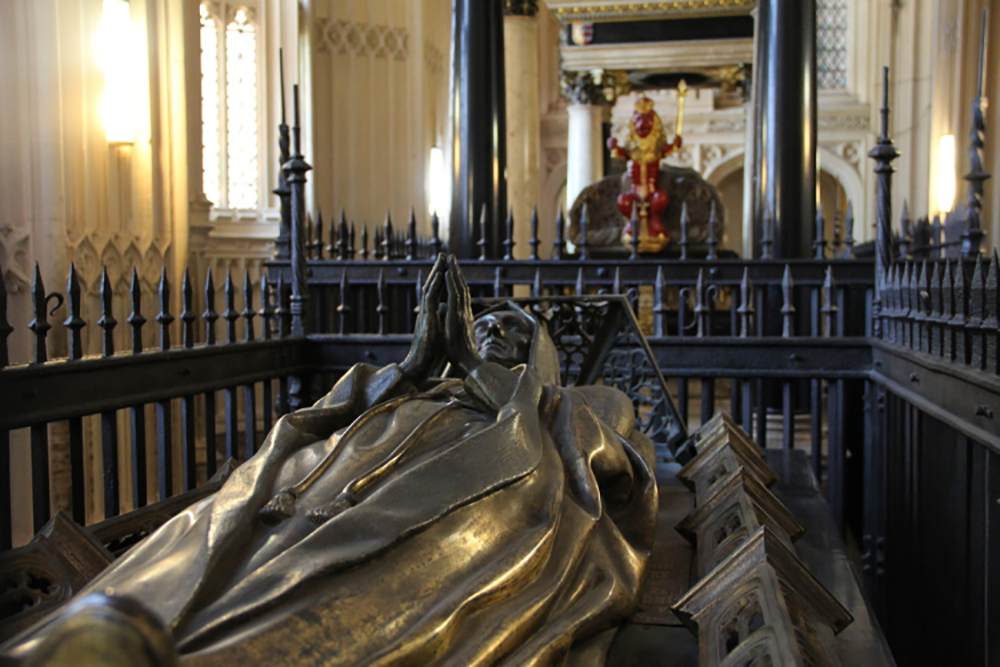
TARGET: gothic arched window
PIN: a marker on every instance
(229, 105)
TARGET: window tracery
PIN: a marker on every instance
(831, 44)
(738, 622)
(229, 105)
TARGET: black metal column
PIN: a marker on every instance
(784, 188)
(478, 149)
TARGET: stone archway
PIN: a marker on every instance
(552, 197)
(726, 176)
(846, 176)
(839, 184)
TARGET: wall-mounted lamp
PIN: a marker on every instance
(118, 58)
(945, 179)
(438, 185)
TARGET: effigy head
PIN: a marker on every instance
(504, 337)
(644, 119)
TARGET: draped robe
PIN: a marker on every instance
(511, 525)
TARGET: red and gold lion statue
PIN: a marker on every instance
(645, 147)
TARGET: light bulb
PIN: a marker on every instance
(944, 180)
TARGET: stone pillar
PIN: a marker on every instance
(585, 146)
(584, 149)
(784, 120)
(478, 127)
(523, 116)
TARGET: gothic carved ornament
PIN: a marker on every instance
(580, 10)
(14, 257)
(354, 38)
(520, 7)
(594, 86)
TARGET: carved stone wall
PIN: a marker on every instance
(379, 85)
(71, 196)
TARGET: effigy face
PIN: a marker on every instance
(503, 337)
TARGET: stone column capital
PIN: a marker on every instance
(520, 7)
(596, 87)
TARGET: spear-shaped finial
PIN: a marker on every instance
(281, 79)
(685, 224)
(884, 110)
(296, 129)
(135, 317)
(508, 242)
(559, 243)
(819, 244)
(40, 323)
(164, 317)
(229, 313)
(74, 323)
(436, 234)
(209, 315)
(248, 309)
(266, 312)
(533, 241)
(411, 235)
(187, 315)
(107, 321)
(849, 231)
(387, 237)
(713, 233)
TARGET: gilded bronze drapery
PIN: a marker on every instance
(498, 518)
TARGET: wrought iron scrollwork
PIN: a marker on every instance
(599, 342)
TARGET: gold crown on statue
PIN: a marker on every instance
(644, 104)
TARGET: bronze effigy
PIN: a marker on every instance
(490, 517)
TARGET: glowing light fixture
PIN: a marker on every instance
(945, 180)
(438, 186)
(115, 45)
